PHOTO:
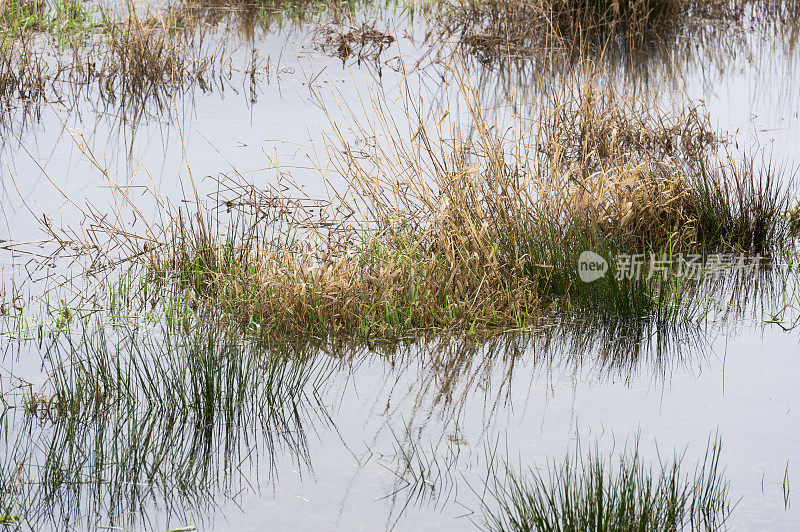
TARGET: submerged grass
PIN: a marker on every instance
(591, 493)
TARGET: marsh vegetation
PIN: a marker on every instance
(362, 289)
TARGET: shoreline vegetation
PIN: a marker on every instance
(131, 56)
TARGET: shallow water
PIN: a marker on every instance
(736, 380)
(455, 404)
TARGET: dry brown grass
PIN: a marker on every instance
(137, 60)
(146, 54)
(456, 224)
(441, 229)
(496, 29)
(24, 73)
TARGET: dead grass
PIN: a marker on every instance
(24, 73)
(147, 54)
(458, 225)
(138, 59)
(475, 232)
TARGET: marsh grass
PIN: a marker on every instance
(265, 14)
(472, 232)
(744, 207)
(590, 492)
(202, 376)
(133, 420)
(129, 58)
(59, 18)
(457, 226)
(496, 30)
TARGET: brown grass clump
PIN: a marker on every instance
(135, 60)
(469, 228)
(24, 73)
(145, 55)
(591, 127)
(451, 232)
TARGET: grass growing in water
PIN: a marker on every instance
(132, 422)
(496, 30)
(475, 231)
(589, 493)
(59, 18)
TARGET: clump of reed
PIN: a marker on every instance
(496, 30)
(450, 231)
(591, 493)
(145, 54)
(465, 226)
(24, 73)
(133, 58)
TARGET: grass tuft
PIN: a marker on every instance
(591, 493)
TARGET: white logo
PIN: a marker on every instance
(591, 266)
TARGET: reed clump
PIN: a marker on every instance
(591, 493)
(451, 231)
(496, 30)
(146, 54)
(132, 58)
(24, 73)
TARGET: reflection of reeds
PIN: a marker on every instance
(131, 59)
(128, 415)
(202, 376)
(127, 418)
(497, 30)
